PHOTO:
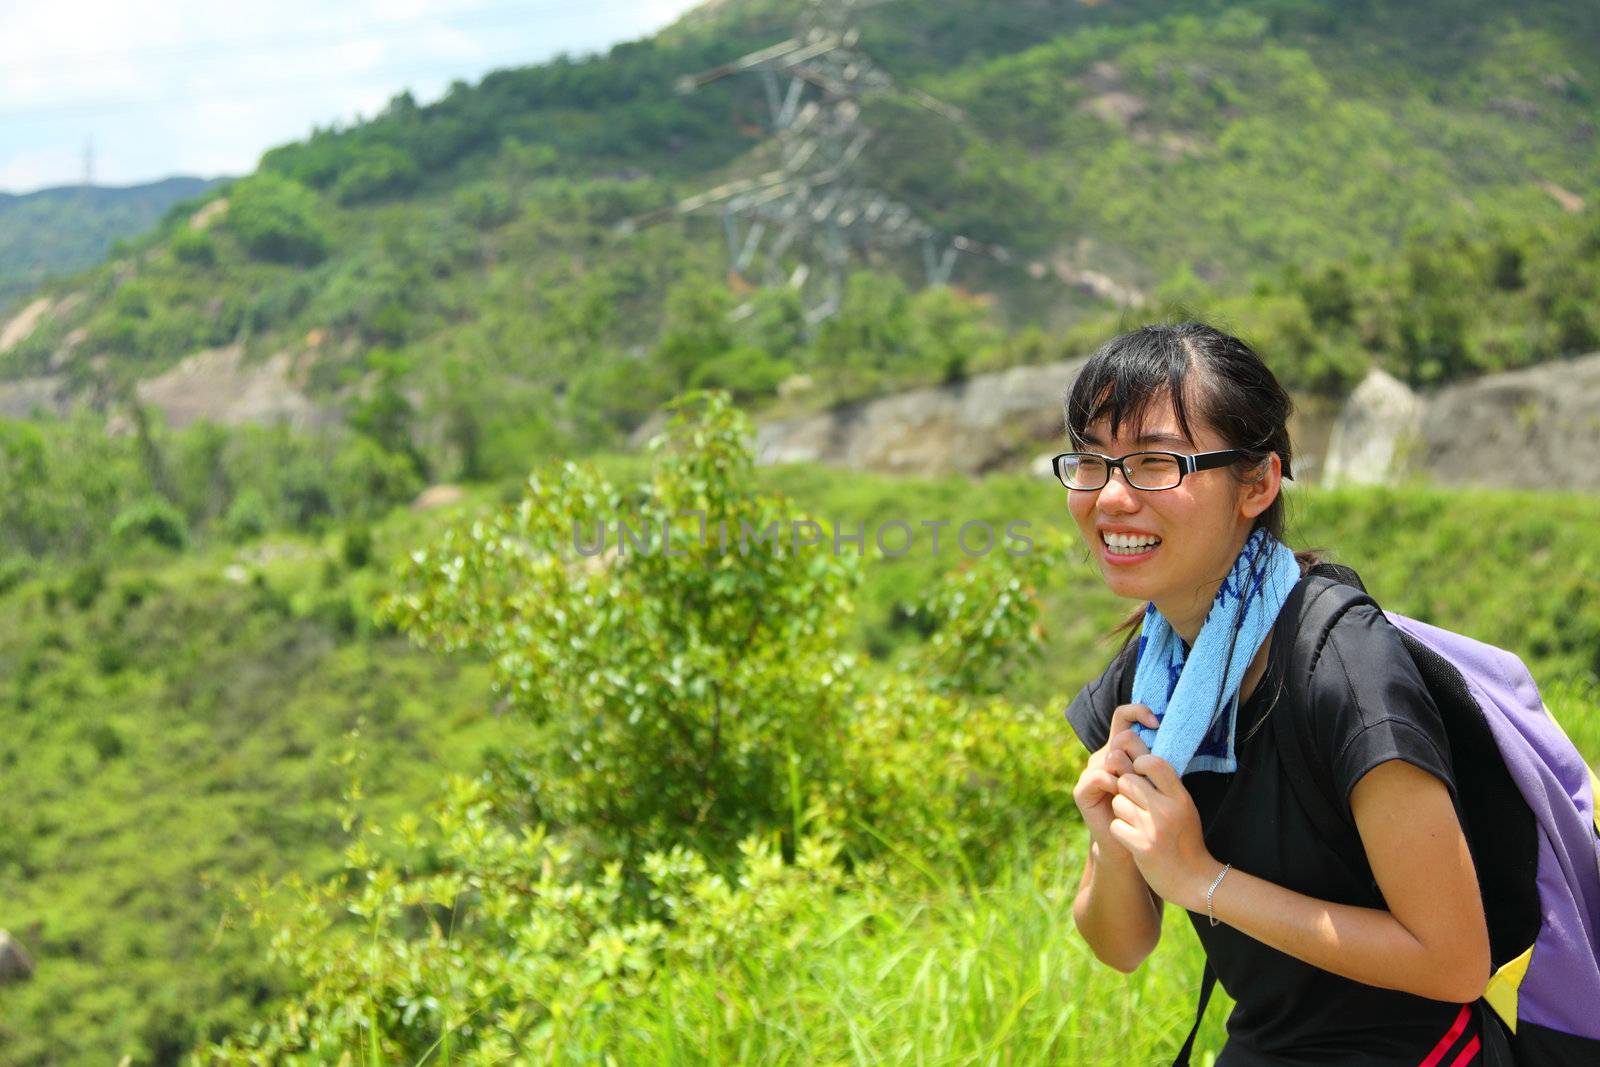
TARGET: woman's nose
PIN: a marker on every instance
(1117, 494)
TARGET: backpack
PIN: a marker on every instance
(1528, 807)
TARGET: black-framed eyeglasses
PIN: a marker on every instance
(1088, 471)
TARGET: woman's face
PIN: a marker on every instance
(1200, 525)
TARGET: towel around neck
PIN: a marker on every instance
(1194, 692)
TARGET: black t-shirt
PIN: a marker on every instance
(1367, 704)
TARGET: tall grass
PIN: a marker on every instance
(930, 972)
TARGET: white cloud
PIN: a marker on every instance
(191, 86)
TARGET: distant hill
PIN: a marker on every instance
(1350, 183)
(69, 227)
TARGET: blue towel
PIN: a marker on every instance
(1196, 696)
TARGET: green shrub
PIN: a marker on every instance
(745, 372)
(14, 570)
(484, 206)
(695, 723)
(151, 520)
(375, 171)
(248, 516)
(85, 584)
(277, 219)
(356, 548)
(194, 247)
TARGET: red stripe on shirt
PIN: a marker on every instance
(1466, 1053)
(1455, 1031)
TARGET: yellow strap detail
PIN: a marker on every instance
(1501, 992)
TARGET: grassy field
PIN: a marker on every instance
(179, 724)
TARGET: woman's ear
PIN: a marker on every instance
(1261, 485)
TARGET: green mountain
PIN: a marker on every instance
(1402, 184)
(56, 231)
(191, 669)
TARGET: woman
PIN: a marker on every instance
(1365, 951)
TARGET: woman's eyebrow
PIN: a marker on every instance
(1160, 437)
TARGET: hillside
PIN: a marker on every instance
(182, 722)
(232, 653)
(61, 230)
(1349, 184)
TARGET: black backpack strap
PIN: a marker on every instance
(1318, 602)
(1208, 980)
(1125, 681)
(1326, 592)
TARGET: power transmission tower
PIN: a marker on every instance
(801, 222)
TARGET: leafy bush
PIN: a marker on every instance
(194, 247)
(85, 584)
(277, 219)
(248, 516)
(484, 206)
(376, 171)
(670, 689)
(153, 520)
(481, 939)
(356, 547)
(696, 724)
(745, 372)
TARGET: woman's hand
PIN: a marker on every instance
(1155, 819)
(1097, 785)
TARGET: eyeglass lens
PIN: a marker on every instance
(1145, 470)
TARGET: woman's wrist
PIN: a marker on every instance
(1111, 854)
(1205, 884)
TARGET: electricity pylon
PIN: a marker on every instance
(800, 223)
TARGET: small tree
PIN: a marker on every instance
(670, 688)
(277, 219)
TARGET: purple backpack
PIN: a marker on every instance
(1528, 808)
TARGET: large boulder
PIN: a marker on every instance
(222, 386)
(986, 422)
(15, 963)
(1374, 434)
(1533, 428)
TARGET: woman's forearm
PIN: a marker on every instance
(1115, 910)
(1364, 944)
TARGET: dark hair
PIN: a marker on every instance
(1209, 375)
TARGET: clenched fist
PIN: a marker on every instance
(1097, 785)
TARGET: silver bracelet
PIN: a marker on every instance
(1214, 883)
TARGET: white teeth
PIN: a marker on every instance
(1130, 542)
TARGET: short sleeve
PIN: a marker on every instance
(1370, 704)
(1090, 711)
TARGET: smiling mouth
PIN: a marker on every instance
(1129, 544)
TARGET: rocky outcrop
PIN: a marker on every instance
(437, 496)
(219, 386)
(1538, 427)
(22, 398)
(986, 422)
(1374, 432)
(22, 324)
(1532, 428)
(15, 963)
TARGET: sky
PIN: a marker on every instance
(196, 87)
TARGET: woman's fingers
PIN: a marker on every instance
(1125, 745)
(1129, 812)
(1131, 743)
(1159, 773)
(1097, 781)
(1126, 715)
